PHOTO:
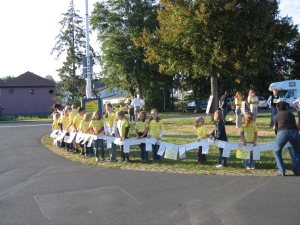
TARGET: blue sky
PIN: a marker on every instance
(29, 28)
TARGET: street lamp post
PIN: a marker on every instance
(88, 59)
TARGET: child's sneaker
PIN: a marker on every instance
(219, 166)
(247, 168)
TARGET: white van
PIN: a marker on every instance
(288, 90)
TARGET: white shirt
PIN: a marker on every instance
(136, 102)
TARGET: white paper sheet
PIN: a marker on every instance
(66, 138)
(271, 145)
(181, 151)
(126, 148)
(61, 136)
(226, 149)
(248, 146)
(256, 152)
(234, 146)
(72, 136)
(90, 141)
(78, 137)
(221, 144)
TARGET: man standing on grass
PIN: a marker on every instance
(137, 107)
(223, 105)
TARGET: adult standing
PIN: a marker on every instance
(272, 100)
(238, 110)
(253, 101)
(142, 101)
(286, 131)
(130, 110)
(137, 107)
(223, 105)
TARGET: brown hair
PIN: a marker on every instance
(200, 120)
(218, 115)
(106, 113)
(151, 118)
(145, 116)
(237, 94)
(248, 119)
(94, 115)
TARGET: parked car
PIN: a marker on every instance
(262, 104)
(195, 106)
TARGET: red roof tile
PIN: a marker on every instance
(29, 79)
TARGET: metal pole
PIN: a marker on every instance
(88, 63)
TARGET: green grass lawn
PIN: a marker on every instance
(181, 131)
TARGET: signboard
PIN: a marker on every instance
(92, 104)
(209, 104)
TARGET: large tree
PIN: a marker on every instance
(70, 43)
(118, 23)
(216, 38)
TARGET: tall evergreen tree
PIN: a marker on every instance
(70, 42)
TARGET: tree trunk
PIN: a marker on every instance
(214, 89)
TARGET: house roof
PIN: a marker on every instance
(29, 79)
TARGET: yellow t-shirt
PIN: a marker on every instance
(55, 123)
(201, 132)
(155, 128)
(238, 101)
(141, 126)
(71, 118)
(109, 121)
(77, 120)
(121, 125)
(65, 122)
(97, 125)
(249, 131)
(85, 127)
(252, 99)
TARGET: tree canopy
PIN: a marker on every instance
(216, 38)
(118, 23)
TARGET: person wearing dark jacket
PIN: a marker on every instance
(286, 131)
(219, 134)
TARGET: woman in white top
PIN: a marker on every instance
(253, 101)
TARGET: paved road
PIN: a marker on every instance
(39, 187)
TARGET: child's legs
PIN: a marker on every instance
(122, 152)
(96, 146)
(245, 163)
(201, 157)
(145, 153)
(112, 151)
(100, 142)
(252, 162)
(142, 152)
(154, 152)
(222, 160)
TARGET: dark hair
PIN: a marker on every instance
(106, 113)
(56, 106)
(282, 106)
(80, 109)
(145, 116)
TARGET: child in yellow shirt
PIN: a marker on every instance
(84, 127)
(97, 127)
(156, 130)
(201, 134)
(249, 135)
(141, 130)
(123, 130)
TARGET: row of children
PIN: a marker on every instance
(248, 133)
(112, 124)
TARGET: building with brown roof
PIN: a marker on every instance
(27, 94)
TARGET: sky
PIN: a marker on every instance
(30, 26)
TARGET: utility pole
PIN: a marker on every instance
(88, 59)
